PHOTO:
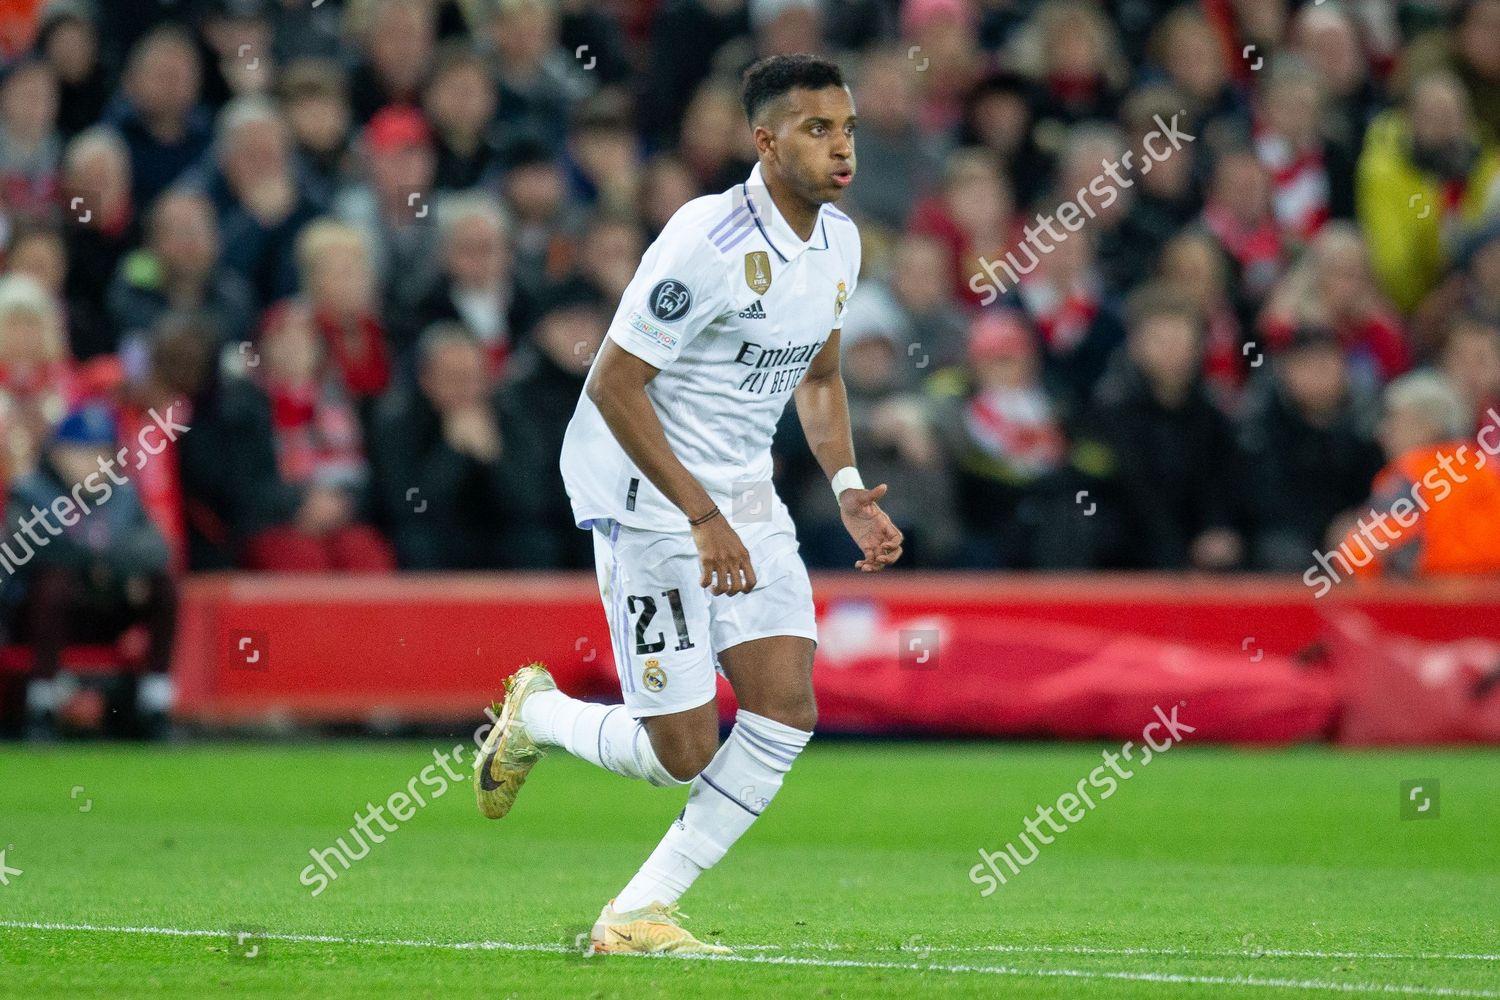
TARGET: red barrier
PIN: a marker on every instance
(1019, 655)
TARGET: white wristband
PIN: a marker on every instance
(846, 478)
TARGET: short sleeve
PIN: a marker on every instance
(678, 290)
(847, 286)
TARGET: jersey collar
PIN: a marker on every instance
(773, 228)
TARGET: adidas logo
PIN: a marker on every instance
(753, 311)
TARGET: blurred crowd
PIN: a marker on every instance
(365, 251)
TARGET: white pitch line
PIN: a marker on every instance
(1065, 949)
(824, 963)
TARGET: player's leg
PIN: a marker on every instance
(659, 629)
(772, 678)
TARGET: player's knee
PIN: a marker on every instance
(799, 712)
(686, 757)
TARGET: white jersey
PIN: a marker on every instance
(732, 307)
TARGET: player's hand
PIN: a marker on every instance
(871, 529)
(724, 558)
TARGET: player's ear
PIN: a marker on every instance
(765, 139)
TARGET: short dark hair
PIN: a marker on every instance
(774, 76)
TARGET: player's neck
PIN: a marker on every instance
(800, 215)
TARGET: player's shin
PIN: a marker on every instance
(725, 799)
(604, 735)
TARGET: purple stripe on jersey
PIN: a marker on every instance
(710, 783)
(836, 213)
(738, 239)
(731, 218)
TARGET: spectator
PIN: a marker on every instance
(98, 571)
(258, 196)
(897, 443)
(1332, 288)
(315, 99)
(1006, 440)
(666, 185)
(177, 271)
(235, 505)
(30, 147)
(1239, 214)
(319, 455)
(609, 253)
(460, 101)
(897, 163)
(604, 154)
(1328, 39)
(69, 41)
(920, 285)
(339, 287)
(38, 251)
(1194, 267)
(1169, 484)
(1473, 289)
(539, 82)
(1165, 199)
(1470, 360)
(396, 49)
(686, 38)
(1471, 51)
(546, 224)
(441, 458)
(1424, 173)
(100, 219)
(1071, 52)
(538, 398)
(1312, 178)
(713, 142)
(476, 288)
(1310, 450)
(37, 384)
(1437, 531)
(1066, 300)
(1187, 48)
(1000, 115)
(392, 211)
(972, 214)
(158, 111)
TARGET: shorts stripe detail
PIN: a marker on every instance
(710, 783)
(620, 623)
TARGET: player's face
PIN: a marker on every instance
(812, 146)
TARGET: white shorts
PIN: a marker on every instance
(666, 630)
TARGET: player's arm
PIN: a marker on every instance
(823, 408)
(617, 386)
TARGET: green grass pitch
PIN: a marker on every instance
(1212, 873)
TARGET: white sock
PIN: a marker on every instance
(724, 801)
(605, 735)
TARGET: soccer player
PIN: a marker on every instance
(734, 309)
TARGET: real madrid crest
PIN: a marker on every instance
(758, 271)
(839, 300)
(654, 677)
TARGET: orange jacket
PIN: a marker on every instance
(1458, 532)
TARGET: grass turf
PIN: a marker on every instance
(1211, 873)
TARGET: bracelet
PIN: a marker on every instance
(694, 522)
(846, 478)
